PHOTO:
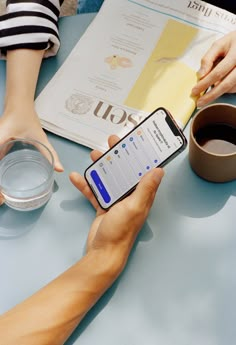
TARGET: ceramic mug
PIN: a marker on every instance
(212, 143)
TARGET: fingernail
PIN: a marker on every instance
(194, 92)
(201, 72)
(58, 167)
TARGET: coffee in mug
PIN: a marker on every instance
(212, 144)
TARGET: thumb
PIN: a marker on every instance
(146, 190)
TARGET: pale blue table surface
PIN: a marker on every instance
(179, 286)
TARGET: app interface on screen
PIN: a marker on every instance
(121, 168)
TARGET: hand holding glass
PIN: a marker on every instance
(26, 174)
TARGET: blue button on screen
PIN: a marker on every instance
(100, 186)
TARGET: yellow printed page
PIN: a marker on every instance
(166, 79)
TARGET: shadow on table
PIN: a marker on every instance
(145, 235)
(15, 224)
(192, 196)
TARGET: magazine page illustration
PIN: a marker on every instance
(134, 57)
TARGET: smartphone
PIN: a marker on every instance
(152, 143)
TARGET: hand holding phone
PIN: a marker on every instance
(153, 143)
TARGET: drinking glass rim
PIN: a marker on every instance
(29, 141)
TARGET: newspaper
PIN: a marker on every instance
(134, 57)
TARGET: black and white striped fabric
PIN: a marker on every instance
(31, 24)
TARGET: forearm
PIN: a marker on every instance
(19, 118)
(23, 67)
(50, 316)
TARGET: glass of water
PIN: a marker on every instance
(26, 174)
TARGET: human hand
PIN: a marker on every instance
(117, 229)
(218, 69)
(25, 124)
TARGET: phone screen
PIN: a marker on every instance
(152, 143)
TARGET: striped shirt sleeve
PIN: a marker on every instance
(31, 24)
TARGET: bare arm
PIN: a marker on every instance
(28, 32)
(51, 315)
(19, 118)
(23, 67)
